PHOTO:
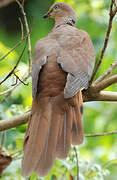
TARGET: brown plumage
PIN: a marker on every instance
(63, 62)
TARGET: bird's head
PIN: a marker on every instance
(61, 12)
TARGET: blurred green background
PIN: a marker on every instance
(98, 155)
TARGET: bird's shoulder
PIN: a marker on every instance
(65, 32)
(44, 43)
(63, 35)
(44, 47)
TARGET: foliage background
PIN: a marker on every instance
(98, 155)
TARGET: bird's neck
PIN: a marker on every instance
(63, 20)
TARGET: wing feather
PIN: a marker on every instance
(77, 58)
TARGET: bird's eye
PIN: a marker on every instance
(56, 7)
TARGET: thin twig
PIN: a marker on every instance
(115, 3)
(2, 138)
(12, 71)
(28, 32)
(104, 84)
(77, 162)
(13, 48)
(17, 78)
(17, 158)
(17, 44)
(23, 3)
(115, 10)
(4, 99)
(112, 14)
(15, 82)
(101, 134)
(110, 162)
(109, 70)
(11, 89)
(22, 28)
(16, 152)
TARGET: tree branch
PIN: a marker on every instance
(12, 71)
(16, 45)
(11, 89)
(106, 73)
(77, 164)
(23, 119)
(28, 32)
(112, 14)
(14, 122)
(104, 84)
(87, 96)
(29, 50)
(17, 78)
(5, 98)
(101, 134)
(101, 96)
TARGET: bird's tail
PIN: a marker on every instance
(70, 129)
(53, 126)
(77, 129)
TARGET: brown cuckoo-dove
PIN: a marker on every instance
(63, 62)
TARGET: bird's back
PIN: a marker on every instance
(64, 39)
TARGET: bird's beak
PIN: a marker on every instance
(46, 15)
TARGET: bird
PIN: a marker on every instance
(62, 65)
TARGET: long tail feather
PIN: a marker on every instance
(77, 129)
(64, 138)
(49, 154)
(35, 139)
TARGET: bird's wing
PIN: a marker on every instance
(36, 67)
(42, 50)
(76, 56)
